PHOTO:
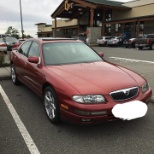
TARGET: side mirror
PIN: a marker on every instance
(101, 54)
(33, 59)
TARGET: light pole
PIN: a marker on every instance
(22, 31)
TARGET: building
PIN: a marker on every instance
(44, 30)
(65, 27)
(105, 17)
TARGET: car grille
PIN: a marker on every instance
(124, 94)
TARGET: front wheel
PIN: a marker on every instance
(51, 105)
(140, 48)
(14, 75)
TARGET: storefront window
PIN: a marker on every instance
(108, 17)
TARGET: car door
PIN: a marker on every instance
(20, 60)
(34, 74)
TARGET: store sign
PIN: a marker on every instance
(68, 5)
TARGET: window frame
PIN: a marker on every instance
(27, 49)
(31, 46)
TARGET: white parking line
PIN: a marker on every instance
(132, 60)
(26, 136)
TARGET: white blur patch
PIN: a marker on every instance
(130, 110)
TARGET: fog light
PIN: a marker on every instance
(90, 113)
(99, 113)
(82, 112)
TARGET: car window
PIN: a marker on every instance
(34, 50)
(2, 36)
(108, 38)
(1, 40)
(68, 53)
(11, 40)
(24, 48)
(101, 37)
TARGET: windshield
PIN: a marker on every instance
(68, 53)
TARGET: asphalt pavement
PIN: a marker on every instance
(119, 137)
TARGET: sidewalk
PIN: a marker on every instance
(5, 72)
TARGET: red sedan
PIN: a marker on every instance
(75, 82)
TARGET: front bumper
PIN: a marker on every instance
(85, 112)
(142, 45)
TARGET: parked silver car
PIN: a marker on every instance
(102, 41)
(129, 43)
(116, 41)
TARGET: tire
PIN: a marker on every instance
(118, 45)
(51, 105)
(14, 75)
(152, 46)
(140, 48)
(133, 45)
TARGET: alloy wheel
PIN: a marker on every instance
(13, 74)
(50, 106)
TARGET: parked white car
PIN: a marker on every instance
(2, 35)
(102, 41)
(3, 45)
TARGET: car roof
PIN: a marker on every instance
(54, 39)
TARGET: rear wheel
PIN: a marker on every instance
(14, 75)
(51, 105)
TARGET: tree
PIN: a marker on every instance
(12, 32)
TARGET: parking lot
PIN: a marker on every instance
(127, 137)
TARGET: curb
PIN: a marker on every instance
(5, 78)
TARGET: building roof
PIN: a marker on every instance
(40, 24)
(85, 4)
(106, 2)
(138, 3)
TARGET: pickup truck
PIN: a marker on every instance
(147, 41)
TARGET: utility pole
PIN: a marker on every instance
(22, 31)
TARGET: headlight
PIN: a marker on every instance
(87, 99)
(145, 87)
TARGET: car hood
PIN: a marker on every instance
(97, 77)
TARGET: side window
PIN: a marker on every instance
(24, 48)
(34, 50)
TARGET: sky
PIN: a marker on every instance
(33, 11)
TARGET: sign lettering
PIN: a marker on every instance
(68, 5)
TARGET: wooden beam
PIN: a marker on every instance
(55, 27)
(103, 20)
(129, 20)
(91, 17)
(146, 19)
(119, 22)
(85, 3)
(138, 29)
(66, 27)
